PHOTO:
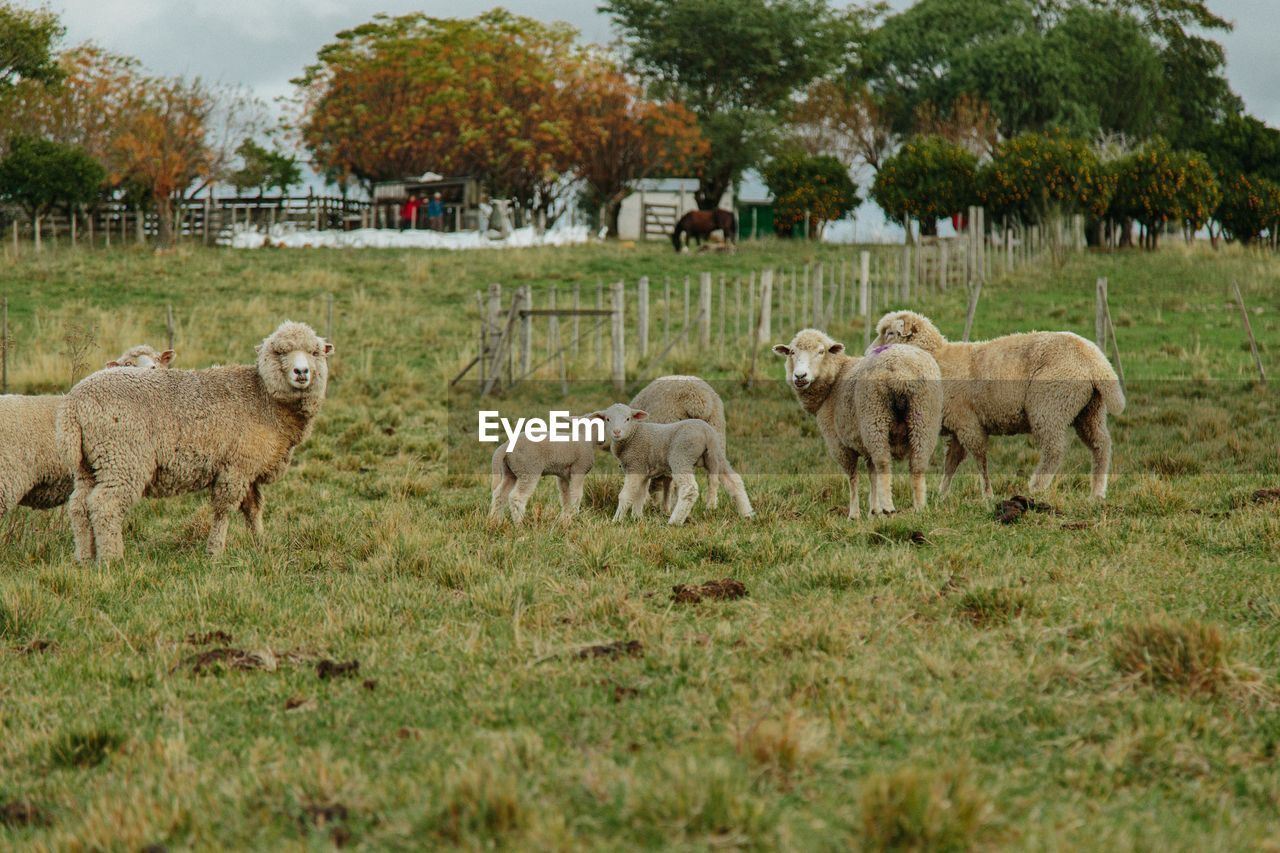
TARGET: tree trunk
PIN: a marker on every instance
(711, 189)
(1126, 234)
(928, 227)
(1093, 233)
(612, 209)
(164, 222)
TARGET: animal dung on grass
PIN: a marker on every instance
(725, 589)
(225, 658)
(1019, 505)
(1265, 496)
(208, 638)
(328, 669)
(18, 814)
(618, 649)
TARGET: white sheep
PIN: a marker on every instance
(130, 433)
(32, 472)
(1036, 382)
(884, 406)
(647, 450)
(516, 472)
(668, 399)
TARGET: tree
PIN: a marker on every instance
(927, 179)
(38, 174)
(263, 169)
(27, 39)
(1250, 206)
(1153, 187)
(736, 64)
(803, 185)
(1042, 177)
(164, 148)
(620, 136)
(843, 120)
(1240, 144)
(1201, 193)
(484, 96)
(967, 122)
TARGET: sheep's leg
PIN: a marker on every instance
(883, 478)
(686, 494)
(732, 483)
(577, 480)
(633, 486)
(226, 496)
(562, 480)
(251, 508)
(1052, 441)
(715, 466)
(955, 455)
(849, 463)
(641, 499)
(974, 439)
(520, 495)
(81, 524)
(1091, 426)
(501, 491)
(108, 503)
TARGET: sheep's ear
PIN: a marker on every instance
(836, 348)
(328, 348)
(257, 348)
(113, 364)
(782, 349)
(167, 357)
(639, 414)
(597, 416)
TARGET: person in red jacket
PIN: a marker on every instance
(409, 211)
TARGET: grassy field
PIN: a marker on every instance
(1099, 677)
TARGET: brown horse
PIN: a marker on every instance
(698, 225)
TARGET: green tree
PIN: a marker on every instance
(735, 64)
(927, 179)
(38, 174)
(1250, 206)
(263, 169)
(802, 184)
(27, 40)
(1040, 177)
(1156, 186)
(1239, 144)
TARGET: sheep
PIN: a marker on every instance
(886, 405)
(647, 450)
(31, 470)
(668, 399)
(1035, 382)
(516, 472)
(232, 429)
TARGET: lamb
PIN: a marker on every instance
(31, 470)
(887, 405)
(1035, 382)
(130, 433)
(516, 472)
(647, 450)
(668, 399)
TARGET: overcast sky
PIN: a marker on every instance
(263, 43)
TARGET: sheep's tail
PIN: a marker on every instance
(70, 437)
(499, 468)
(1106, 383)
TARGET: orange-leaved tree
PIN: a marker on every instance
(164, 148)
(620, 136)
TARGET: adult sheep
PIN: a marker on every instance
(668, 399)
(884, 406)
(32, 472)
(129, 433)
(1034, 382)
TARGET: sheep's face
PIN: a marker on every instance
(619, 421)
(805, 355)
(294, 360)
(144, 357)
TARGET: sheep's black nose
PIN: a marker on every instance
(301, 372)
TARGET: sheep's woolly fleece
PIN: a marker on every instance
(287, 237)
(516, 472)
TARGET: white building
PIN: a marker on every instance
(654, 206)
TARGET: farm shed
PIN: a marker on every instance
(651, 211)
(755, 208)
(460, 195)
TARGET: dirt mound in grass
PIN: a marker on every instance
(725, 589)
(1019, 505)
(621, 648)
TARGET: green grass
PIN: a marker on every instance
(1102, 678)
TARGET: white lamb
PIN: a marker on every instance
(646, 450)
(668, 399)
(516, 472)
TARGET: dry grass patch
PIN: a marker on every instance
(993, 605)
(1166, 653)
(914, 809)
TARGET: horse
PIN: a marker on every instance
(698, 224)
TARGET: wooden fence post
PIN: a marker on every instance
(666, 309)
(642, 314)
(751, 304)
(168, 324)
(704, 311)
(4, 349)
(904, 278)
(599, 333)
(526, 328)
(617, 339)
(864, 281)
(1100, 314)
(1248, 330)
(724, 311)
(974, 293)
(819, 320)
(494, 326)
(765, 331)
(686, 306)
(577, 306)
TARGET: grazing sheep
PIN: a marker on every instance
(646, 450)
(516, 472)
(884, 406)
(32, 473)
(130, 433)
(668, 399)
(1035, 382)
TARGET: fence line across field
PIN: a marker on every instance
(726, 313)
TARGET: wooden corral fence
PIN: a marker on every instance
(557, 331)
